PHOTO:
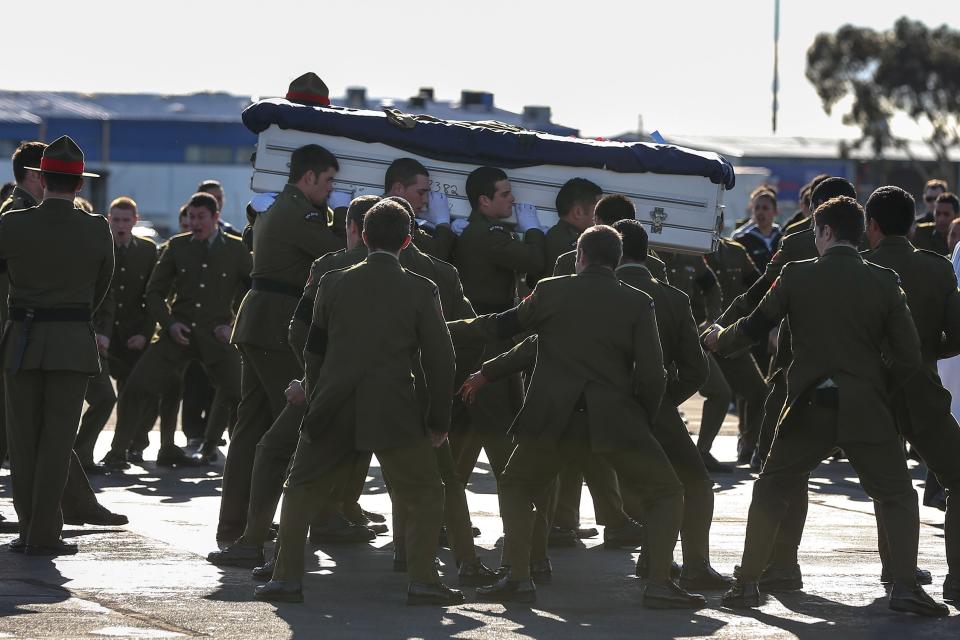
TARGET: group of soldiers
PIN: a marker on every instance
(329, 334)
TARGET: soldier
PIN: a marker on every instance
(373, 317)
(932, 236)
(134, 259)
(598, 378)
(408, 179)
(204, 273)
(294, 232)
(490, 259)
(735, 273)
(49, 349)
(836, 387)
(576, 206)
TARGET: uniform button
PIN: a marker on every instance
(122, 287)
(202, 285)
(198, 305)
(203, 266)
(193, 324)
(123, 268)
(120, 304)
(116, 323)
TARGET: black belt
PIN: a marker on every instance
(63, 314)
(263, 284)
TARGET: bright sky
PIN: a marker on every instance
(688, 67)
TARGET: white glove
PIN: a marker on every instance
(438, 209)
(459, 225)
(527, 218)
(338, 199)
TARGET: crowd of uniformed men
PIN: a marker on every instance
(321, 336)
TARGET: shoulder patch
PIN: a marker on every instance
(314, 216)
(498, 227)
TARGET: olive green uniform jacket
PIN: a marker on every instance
(28, 238)
(287, 238)
(561, 238)
(489, 259)
(615, 367)
(930, 285)
(925, 236)
(204, 281)
(18, 199)
(566, 265)
(844, 313)
(369, 323)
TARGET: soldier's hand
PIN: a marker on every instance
(222, 333)
(295, 393)
(180, 333)
(103, 343)
(712, 337)
(526, 217)
(471, 386)
(137, 343)
(437, 439)
(438, 209)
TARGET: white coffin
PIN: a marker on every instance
(681, 213)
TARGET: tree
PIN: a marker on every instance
(910, 69)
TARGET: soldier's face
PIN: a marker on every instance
(501, 205)
(417, 193)
(943, 216)
(203, 222)
(122, 222)
(320, 187)
(584, 217)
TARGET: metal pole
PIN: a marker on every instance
(776, 61)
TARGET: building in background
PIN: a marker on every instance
(157, 148)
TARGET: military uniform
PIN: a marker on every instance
(18, 199)
(100, 396)
(921, 406)
(362, 396)
(286, 241)
(489, 260)
(841, 310)
(566, 265)
(599, 376)
(735, 272)
(204, 279)
(438, 244)
(49, 349)
(926, 236)
(561, 238)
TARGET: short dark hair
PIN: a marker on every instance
(615, 207)
(206, 200)
(634, 237)
(951, 199)
(28, 154)
(892, 208)
(601, 246)
(404, 171)
(577, 191)
(831, 187)
(311, 157)
(764, 192)
(359, 207)
(936, 183)
(408, 208)
(386, 225)
(482, 181)
(844, 215)
(206, 185)
(123, 202)
(61, 182)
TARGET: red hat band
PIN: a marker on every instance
(302, 96)
(61, 166)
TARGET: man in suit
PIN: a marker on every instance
(369, 324)
(836, 387)
(294, 232)
(593, 390)
(48, 349)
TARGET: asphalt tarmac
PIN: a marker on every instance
(150, 579)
